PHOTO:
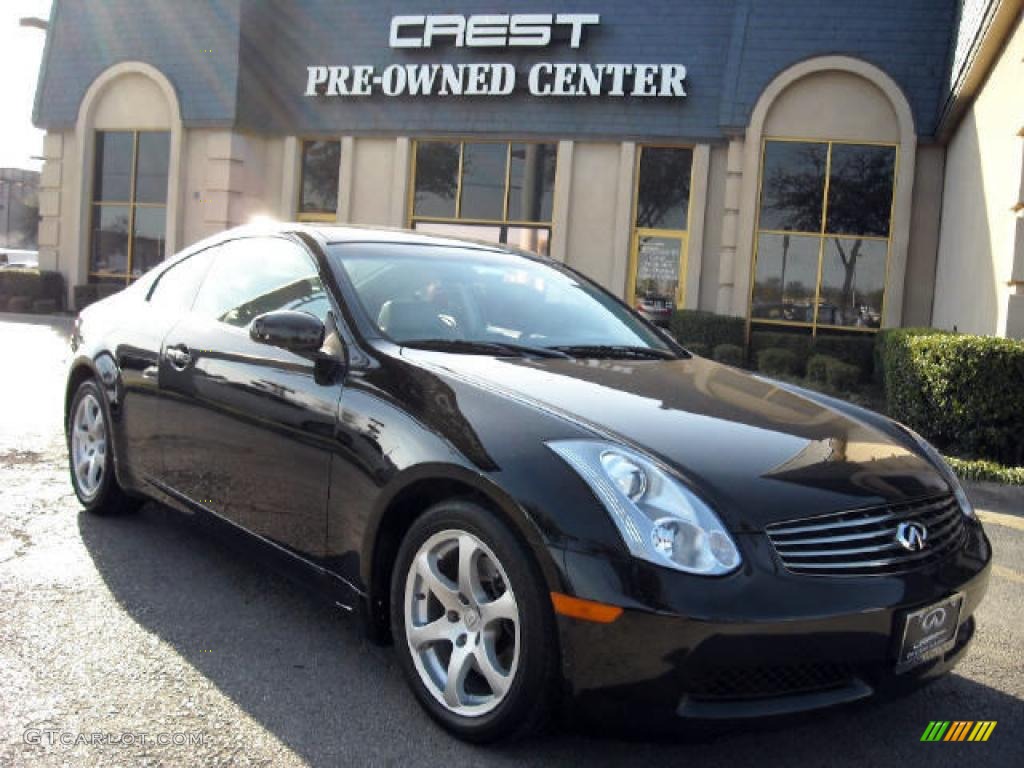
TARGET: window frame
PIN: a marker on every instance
(823, 235)
(636, 232)
(504, 223)
(315, 216)
(131, 204)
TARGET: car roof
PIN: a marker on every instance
(330, 234)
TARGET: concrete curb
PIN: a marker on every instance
(994, 497)
(18, 317)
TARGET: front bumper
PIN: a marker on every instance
(758, 642)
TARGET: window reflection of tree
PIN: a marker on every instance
(320, 176)
(437, 170)
(792, 192)
(287, 296)
(859, 204)
(664, 187)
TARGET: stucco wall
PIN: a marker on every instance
(713, 225)
(378, 190)
(982, 184)
(594, 244)
(924, 236)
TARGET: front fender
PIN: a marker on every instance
(416, 481)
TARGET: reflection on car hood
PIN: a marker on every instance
(758, 452)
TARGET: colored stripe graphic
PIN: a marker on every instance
(982, 730)
(935, 730)
(958, 730)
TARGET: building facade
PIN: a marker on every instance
(820, 166)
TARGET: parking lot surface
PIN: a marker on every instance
(140, 641)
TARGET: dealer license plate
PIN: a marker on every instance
(929, 632)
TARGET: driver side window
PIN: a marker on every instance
(255, 275)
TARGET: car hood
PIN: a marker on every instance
(757, 451)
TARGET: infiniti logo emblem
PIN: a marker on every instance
(912, 536)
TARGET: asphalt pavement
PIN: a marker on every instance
(140, 641)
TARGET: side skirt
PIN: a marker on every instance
(304, 572)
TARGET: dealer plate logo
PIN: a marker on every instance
(934, 619)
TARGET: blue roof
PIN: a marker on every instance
(243, 63)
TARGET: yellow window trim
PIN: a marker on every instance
(638, 232)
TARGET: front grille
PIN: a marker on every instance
(752, 682)
(863, 542)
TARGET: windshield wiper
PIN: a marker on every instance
(498, 348)
(616, 351)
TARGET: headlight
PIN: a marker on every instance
(947, 473)
(660, 520)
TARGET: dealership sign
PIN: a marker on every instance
(516, 31)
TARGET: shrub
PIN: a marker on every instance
(817, 368)
(31, 284)
(84, 296)
(697, 347)
(776, 360)
(707, 328)
(730, 354)
(798, 344)
(983, 471)
(884, 338)
(842, 376)
(856, 349)
(832, 371)
(965, 393)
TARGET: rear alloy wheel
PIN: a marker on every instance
(88, 445)
(473, 625)
(91, 454)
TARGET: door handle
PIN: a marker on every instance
(178, 356)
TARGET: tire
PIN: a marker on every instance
(90, 444)
(506, 648)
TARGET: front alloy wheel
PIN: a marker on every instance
(473, 623)
(461, 623)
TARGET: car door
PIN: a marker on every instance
(138, 356)
(249, 431)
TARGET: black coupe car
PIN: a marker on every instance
(538, 496)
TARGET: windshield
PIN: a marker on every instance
(466, 300)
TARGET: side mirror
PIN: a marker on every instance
(298, 332)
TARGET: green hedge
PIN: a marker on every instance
(857, 350)
(965, 393)
(730, 354)
(32, 284)
(832, 371)
(776, 360)
(890, 336)
(984, 471)
(691, 326)
(797, 344)
(699, 349)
